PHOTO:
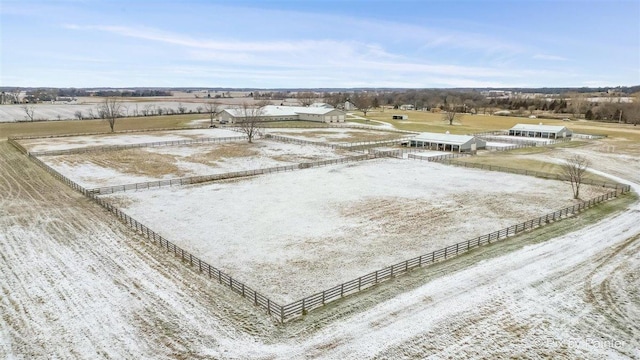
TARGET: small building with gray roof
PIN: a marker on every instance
(540, 131)
(447, 142)
(288, 113)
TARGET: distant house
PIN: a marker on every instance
(407, 107)
(322, 105)
(400, 117)
(540, 131)
(348, 105)
(447, 142)
(287, 113)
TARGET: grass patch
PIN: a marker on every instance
(513, 161)
(225, 151)
(41, 128)
(129, 161)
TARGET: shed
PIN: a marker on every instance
(284, 113)
(400, 117)
(540, 131)
(447, 142)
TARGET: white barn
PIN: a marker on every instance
(540, 131)
(288, 113)
(448, 142)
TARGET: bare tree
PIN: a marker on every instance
(574, 169)
(110, 109)
(306, 98)
(578, 104)
(214, 109)
(181, 108)
(78, 115)
(29, 110)
(362, 101)
(251, 119)
(335, 99)
(452, 108)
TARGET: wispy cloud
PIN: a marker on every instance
(549, 57)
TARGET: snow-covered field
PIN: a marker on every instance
(499, 144)
(101, 169)
(76, 283)
(75, 142)
(336, 135)
(293, 234)
(63, 111)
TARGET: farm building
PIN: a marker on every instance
(283, 113)
(407, 107)
(540, 131)
(448, 142)
(400, 117)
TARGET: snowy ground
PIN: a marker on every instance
(294, 234)
(63, 111)
(75, 142)
(75, 283)
(101, 169)
(336, 135)
(499, 144)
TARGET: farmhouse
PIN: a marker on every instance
(284, 113)
(540, 131)
(448, 142)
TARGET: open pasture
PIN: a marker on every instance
(119, 167)
(296, 233)
(337, 135)
(108, 139)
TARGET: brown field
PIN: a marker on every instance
(41, 128)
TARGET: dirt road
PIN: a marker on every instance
(75, 283)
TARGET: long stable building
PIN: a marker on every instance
(540, 131)
(284, 113)
(447, 142)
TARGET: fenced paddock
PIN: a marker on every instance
(300, 307)
(306, 231)
(187, 162)
(105, 140)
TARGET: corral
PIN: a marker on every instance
(78, 281)
(292, 234)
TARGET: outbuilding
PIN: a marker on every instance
(540, 131)
(285, 113)
(447, 142)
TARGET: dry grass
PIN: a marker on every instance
(426, 121)
(225, 151)
(521, 162)
(130, 161)
(42, 128)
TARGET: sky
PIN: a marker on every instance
(319, 44)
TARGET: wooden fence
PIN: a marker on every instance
(258, 299)
(138, 145)
(302, 306)
(26, 137)
(439, 158)
(354, 146)
(224, 176)
(507, 148)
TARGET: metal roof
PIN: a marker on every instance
(539, 127)
(274, 110)
(445, 138)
